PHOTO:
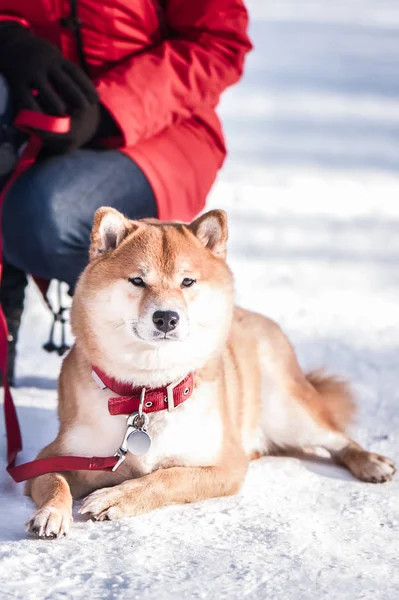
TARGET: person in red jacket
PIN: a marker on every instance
(140, 81)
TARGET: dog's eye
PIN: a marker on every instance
(187, 282)
(137, 281)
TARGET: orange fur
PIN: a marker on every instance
(337, 399)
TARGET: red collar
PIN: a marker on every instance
(155, 399)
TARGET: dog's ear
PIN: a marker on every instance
(211, 230)
(110, 227)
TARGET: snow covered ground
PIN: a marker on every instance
(311, 188)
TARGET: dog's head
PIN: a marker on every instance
(156, 298)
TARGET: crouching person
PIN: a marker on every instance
(141, 91)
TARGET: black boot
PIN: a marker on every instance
(12, 295)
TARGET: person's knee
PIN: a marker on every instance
(49, 212)
(36, 225)
(28, 225)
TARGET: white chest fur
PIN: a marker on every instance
(191, 435)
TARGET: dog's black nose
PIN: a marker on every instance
(165, 320)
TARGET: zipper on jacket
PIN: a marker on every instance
(74, 24)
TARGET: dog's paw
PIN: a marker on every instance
(373, 468)
(103, 505)
(49, 523)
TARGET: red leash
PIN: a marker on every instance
(30, 122)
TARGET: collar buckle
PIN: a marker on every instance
(169, 394)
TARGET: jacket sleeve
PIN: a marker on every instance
(203, 55)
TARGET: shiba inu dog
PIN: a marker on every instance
(153, 312)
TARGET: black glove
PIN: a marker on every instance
(84, 126)
(40, 78)
(94, 122)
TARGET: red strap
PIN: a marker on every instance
(30, 122)
(14, 440)
(154, 400)
(57, 464)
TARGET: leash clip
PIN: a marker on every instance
(136, 440)
(122, 455)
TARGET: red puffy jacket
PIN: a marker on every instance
(160, 68)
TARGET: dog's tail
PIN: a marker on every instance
(338, 404)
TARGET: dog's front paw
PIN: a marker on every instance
(50, 523)
(373, 468)
(104, 505)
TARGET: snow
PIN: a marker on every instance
(311, 188)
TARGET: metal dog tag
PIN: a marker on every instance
(138, 442)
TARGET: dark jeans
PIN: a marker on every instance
(48, 213)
